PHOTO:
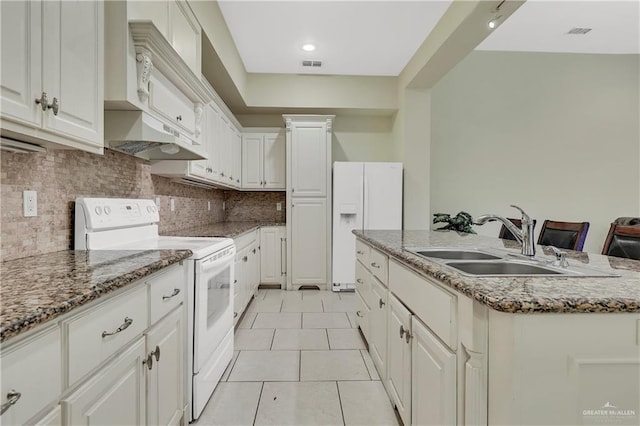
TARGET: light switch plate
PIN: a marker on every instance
(278, 206)
(172, 204)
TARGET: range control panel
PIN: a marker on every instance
(107, 213)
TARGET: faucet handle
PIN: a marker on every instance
(561, 257)
(525, 217)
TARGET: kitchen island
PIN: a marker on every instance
(459, 349)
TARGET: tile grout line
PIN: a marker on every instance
(255, 416)
(340, 401)
(326, 331)
(233, 366)
(365, 364)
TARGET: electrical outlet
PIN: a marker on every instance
(224, 205)
(30, 203)
(209, 205)
(172, 204)
(278, 206)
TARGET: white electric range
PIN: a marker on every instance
(132, 224)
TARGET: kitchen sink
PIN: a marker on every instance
(510, 268)
(453, 254)
(497, 263)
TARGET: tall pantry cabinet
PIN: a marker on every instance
(308, 139)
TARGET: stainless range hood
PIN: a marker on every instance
(140, 134)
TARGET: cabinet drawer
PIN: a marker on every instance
(363, 283)
(245, 240)
(32, 368)
(167, 100)
(166, 292)
(432, 305)
(362, 252)
(89, 343)
(379, 265)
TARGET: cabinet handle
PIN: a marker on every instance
(45, 105)
(358, 313)
(43, 102)
(359, 281)
(402, 331)
(359, 252)
(407, 336)
(244, 259)
(254, 251)
(237, 180)
(375, 265)
(176, 291)
(127, 322)
(235, 314)
(283, 253)
(179, 118)
(148, 361)
(381, 303)
(12, 397)
(156, 353)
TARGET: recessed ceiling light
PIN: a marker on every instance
(308, 47)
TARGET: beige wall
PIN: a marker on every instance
(355, 138)
(557, 134)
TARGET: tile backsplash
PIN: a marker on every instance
(59, 176)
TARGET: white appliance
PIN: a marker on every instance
(365, 196)
(132, 224)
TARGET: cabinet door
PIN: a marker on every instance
(378, 326)
(252, 160)
(165, 399)
(274, 161)
(237, 158)
(309, 241)
(223, 151)
(270, 259)
(399, 360)
(238, 291)
(73, 68)
(201, 168)
(213, 137)
(434, 379)
(115, 395)
(20, 78)
(185, 34)
(309, 160)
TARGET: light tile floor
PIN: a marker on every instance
(299, 360)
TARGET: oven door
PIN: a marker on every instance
(213, 314)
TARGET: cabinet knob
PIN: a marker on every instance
(381, 303)
(359, 281)
(55, 106)
(405, 333)
(179, 118)
(12, 397)
(235, 314)
(402, 331)
(359, 252)
(148, 361)
(375, 265)
(359, 313)
(156, 353)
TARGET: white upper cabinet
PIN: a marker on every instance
(263, 160)
(309, 159)
(53, 73)
(176, 22)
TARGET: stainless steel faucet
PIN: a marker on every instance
(524, 235)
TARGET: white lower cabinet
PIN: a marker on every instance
(399, 361)
(309, 243)
(273, 245)
(246, 271)
(115, 395)
(378, 327)
(164, 362)
(433, 377)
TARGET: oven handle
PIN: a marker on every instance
(207, 264)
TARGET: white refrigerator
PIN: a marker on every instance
(365, 196)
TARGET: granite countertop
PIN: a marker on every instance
(40, 288)
(560, 294)
(221, 229)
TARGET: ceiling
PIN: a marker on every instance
(373, 37)
(542, 26)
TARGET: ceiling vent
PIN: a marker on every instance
(579, 31)
(315, 64)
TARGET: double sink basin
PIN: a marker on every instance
(496, 263)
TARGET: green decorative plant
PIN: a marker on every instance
(461, 222)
